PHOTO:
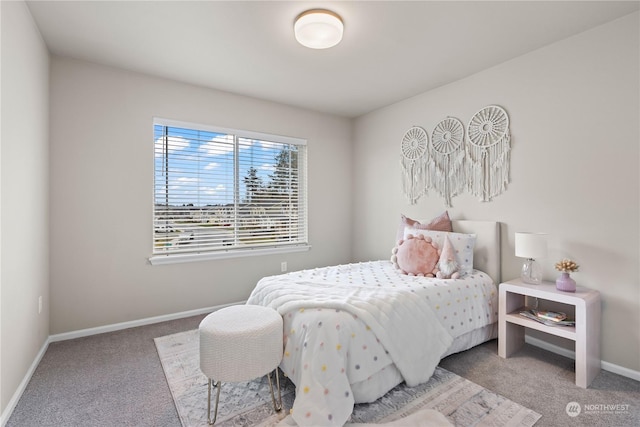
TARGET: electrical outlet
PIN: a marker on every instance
(283, 266)
(40, 304)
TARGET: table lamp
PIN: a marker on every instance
(531, 246)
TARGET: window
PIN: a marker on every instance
(221, 192)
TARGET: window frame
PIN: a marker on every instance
(170, 258)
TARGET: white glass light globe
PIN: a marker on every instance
(318, 29)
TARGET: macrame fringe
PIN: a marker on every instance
(447, 174)
(488, 168)
(415, 178)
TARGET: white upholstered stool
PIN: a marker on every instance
(240, 343)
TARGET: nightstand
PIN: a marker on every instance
(585, 334)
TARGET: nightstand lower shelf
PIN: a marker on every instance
(568, 332)
(585, 334)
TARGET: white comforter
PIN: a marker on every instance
(345, 323)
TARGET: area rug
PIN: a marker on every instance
(463, 402)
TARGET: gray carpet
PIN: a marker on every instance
(545, 383)
(116, 379)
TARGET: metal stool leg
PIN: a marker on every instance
(278, 406)
(215, 415)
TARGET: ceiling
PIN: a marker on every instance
(391, 50)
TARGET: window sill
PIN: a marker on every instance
(176, 259)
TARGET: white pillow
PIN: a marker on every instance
(463, 245)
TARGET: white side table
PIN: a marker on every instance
(585, 334)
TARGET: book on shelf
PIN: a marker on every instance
(554, 316)
(548, 318)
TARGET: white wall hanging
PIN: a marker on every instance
(415, 177)
(446, 163)
(488, 152)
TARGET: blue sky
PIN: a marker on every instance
(201, 165)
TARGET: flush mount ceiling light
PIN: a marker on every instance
(318, 28)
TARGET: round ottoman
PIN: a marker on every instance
(240, 343)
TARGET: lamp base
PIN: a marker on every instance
(531, 272)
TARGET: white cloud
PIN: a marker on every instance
(266, 145)
(218, 145)
(175, 143)
(212, 165)
(184, 179)
(213, 191)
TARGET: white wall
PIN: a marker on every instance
(574, 110)
(24, 196)
(102, 184)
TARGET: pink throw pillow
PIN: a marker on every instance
(417, 256)
(440, 223)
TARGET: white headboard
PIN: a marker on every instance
(486, 254)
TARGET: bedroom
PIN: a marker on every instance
(574, 111)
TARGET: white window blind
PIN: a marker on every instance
(223, 191)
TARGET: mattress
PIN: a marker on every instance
(352, 332)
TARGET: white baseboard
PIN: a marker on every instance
(23, 385)
(135, 323)
(616, 369)
(6, 414)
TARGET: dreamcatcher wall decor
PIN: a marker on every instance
(415, 177)
(446, 163)
(488, 152)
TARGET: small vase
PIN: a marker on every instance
(565, 283)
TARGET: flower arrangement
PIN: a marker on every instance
(567, 266)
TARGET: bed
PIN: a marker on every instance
(353, 332)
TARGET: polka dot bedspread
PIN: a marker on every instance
(347, 323)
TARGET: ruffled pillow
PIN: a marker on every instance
(440, 223)
(416, 255)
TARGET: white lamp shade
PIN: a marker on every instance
(318, 29)
(531, 245)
